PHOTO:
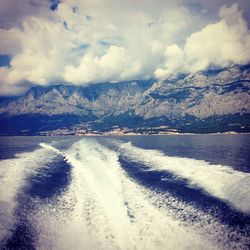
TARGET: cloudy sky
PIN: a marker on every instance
(82, 42)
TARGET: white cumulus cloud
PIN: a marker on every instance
(115, 64)
(219, 44)
(90, 41)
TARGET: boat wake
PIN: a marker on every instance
(14, 176)
(220, 181)
(102, 207)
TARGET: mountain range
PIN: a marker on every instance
(216, 100)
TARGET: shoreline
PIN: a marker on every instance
(132, 134)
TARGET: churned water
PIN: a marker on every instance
(141, 192)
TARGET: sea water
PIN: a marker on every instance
(127, 192)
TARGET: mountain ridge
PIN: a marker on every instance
(205, 102)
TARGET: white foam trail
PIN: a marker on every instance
(104, 209)
(220, 181)
(49, 147)
(13, 176)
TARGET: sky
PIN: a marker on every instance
(83, 42)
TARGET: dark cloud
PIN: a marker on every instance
(211, 7)
(14, 11)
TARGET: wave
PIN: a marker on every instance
(14, 174)
(103, 208)
(49, 147)
(219, 181)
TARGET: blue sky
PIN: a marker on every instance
(90, 41)
(5, 60)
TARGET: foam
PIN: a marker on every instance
(104, 209)
(49, 147)
(13, 177)
(220, 181)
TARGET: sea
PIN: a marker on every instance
(125, 192)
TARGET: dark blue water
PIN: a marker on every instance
(232, 150)
(37, 176)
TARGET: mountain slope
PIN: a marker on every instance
(211, 101)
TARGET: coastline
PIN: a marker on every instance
(126, 134)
